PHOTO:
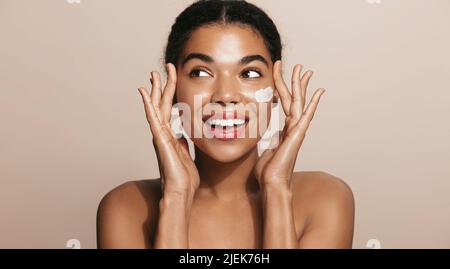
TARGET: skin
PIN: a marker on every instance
(228, 197)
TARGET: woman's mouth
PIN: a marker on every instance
(227, 126)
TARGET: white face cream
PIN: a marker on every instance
(264, 95)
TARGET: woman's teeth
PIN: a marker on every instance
(225, 122)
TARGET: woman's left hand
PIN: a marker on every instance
(276, 165)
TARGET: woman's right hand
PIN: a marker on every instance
(179, 175)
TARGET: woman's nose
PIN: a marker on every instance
(226, 91)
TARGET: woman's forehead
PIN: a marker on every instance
(226, 43)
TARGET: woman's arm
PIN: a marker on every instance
(172, 230)
(179, 175)
(279, 225)
(274, 168)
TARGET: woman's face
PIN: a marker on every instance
(223, 75)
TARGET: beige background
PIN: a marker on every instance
(73, 125)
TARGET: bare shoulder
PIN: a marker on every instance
(320, 185)
(324, 205)
(126, 214)
(135, 197)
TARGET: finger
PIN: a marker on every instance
(156, 89)
(158, 158)
(304, 86)
(308, 114)
(162, 138)
(281, 87)
(169, 92)
(296, 106)
(156, 98)
(281, 135)
(150, 111)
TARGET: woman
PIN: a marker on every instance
(227, 53)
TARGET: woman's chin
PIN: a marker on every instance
(228, 151)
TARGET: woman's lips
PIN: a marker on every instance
(225, 115)
(226, 132)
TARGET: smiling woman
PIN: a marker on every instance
(224, 53)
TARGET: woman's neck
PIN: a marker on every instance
(227, 181)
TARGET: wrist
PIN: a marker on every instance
(178, 190)
(177, 196)
(275, 185)
(277, 190)
(178, 203)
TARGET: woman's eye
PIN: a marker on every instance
(251, 74)
(198, 73)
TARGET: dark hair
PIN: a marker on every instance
(221, 12)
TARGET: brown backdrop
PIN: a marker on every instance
(73, 126)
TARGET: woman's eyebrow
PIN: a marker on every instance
(251, 58)
(199, 56)
(209, 59)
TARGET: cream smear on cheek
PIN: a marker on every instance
(264, 95)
